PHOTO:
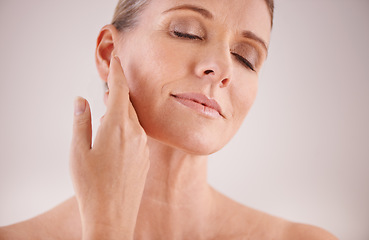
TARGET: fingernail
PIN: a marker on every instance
(117, 58)
(79, 106)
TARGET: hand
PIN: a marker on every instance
(109, 178)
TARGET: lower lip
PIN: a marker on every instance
(198, 107)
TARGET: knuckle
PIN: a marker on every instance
(139, 137)
(81, 121)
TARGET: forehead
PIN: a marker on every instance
(234, 15)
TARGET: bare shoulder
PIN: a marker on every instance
(306, 232)
(279, 228)
(243, 222)
(272, 227)
(249, 223)
(61, 222)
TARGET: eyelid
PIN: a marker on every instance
(247, 51)
(188, 30)
(188, 25)
(181, 34)
(244, 61)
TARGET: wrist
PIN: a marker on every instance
(109, 230)
(108, 223)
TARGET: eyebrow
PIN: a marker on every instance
(200, 10)
(253, 36)
(205, 13)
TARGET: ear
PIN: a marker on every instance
(105, 47)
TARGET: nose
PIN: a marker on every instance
(214, 64)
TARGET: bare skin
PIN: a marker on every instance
(145, 177)
(177, 203)
(237, 222)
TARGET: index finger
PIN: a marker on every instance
(118, 101)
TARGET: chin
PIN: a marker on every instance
(183, 129)
(192, 142)
(201, 145)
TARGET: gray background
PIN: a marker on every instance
(302, 153)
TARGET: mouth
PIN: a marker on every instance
(200, 103)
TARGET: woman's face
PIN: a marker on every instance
(182, 53)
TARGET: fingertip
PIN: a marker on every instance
(102, 119)
(115, 70)
(79, 106)
(118, 63)
(117, 59)
(82, 128)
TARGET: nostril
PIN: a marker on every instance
(208, 72)
(224, 82)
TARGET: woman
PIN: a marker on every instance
(182, 76)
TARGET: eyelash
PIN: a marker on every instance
(244, 61)
(187, 35)
(241, 59)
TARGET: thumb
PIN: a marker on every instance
(82, 128)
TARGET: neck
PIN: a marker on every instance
(177, 197)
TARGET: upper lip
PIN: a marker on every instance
(201, 99)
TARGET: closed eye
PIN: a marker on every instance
(186, 35)
(244, 61)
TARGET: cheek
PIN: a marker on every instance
(151, 69)
(152, 64)
(243, 99)
(171, 59)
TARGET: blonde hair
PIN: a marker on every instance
(127, 12)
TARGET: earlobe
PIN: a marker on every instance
(105, 46)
